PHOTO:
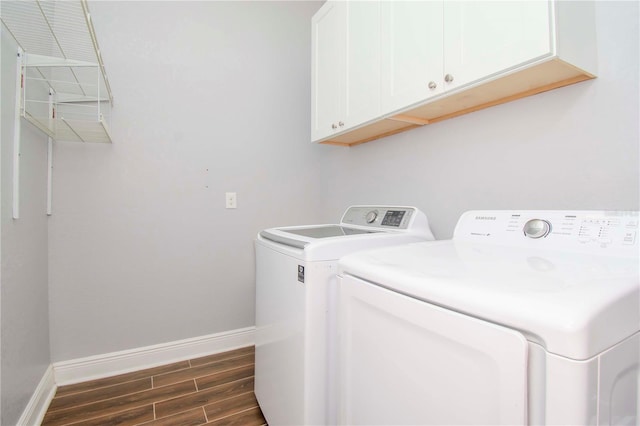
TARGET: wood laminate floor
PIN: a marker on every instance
(216, 389)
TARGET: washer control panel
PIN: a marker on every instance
(387, 217)
(612, 231)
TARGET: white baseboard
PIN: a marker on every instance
(37, 407)
(98, 366)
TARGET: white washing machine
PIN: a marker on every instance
(523, 318)
(295, 306)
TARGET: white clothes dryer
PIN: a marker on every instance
(523, 318)
(295, 306)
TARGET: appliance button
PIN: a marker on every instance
(629, 238)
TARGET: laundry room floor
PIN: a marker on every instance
(215, 389)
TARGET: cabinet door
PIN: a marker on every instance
(411, 52)
(482, 38)
(328, 28)
(362, 100)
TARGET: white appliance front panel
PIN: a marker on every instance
(620, 379)
(404, 361)
(570, 390)
(293, 331)
(280, 322)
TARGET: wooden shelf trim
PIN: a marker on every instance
(539, 78)
(410, 119)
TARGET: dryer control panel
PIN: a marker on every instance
(612, 232)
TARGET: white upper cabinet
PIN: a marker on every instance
(482, 38)
(345, 66)
(411, 58)
(363, 62)
(428, 47)
(327, 68)
(383, 67)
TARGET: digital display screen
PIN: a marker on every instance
(393, 218)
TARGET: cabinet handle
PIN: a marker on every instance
(341, 124)
(333, 126)
(432, 85)
(448, 78)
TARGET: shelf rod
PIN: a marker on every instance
(50, 158)
(16, 137)
(70, 104)
(60, 81)
(96, 48)
(98, 85)
(45, 61)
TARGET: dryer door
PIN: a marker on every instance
(404, 361)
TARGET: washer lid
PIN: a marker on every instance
(575, 305)
(328, 231)
(330, 242)
(309, 234)
(361, 227)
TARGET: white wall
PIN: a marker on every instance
(571, 148)
(23, 290)
(209, 97)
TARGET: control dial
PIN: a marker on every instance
(371, 216)
(536, 228)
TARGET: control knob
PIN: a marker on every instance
(536, 228)
(371, 216)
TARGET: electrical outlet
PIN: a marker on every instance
(230, 200)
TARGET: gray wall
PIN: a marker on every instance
(209, 97)
(571, 148)
(214, 97)
(23, 290)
